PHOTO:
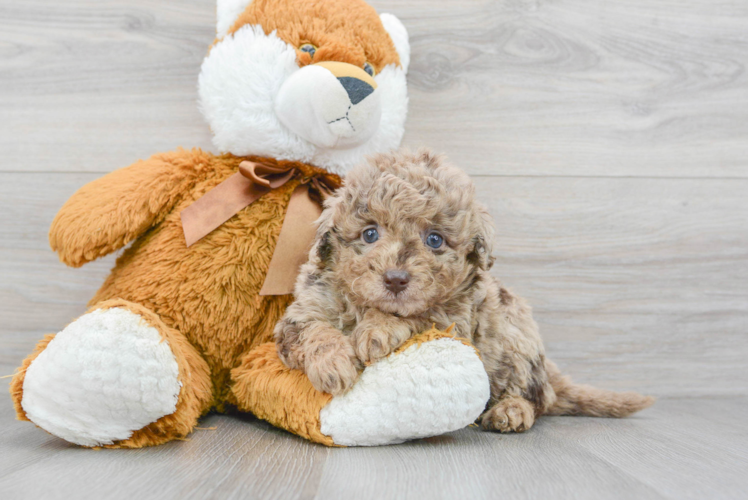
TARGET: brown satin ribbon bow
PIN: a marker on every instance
(240, 190)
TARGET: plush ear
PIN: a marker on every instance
(227, 11)
(399, 36)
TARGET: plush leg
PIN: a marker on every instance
(264, 386)
(432, 384)
(115, 377)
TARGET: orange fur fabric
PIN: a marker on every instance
(209, 291)
(283, 397)
(338, 38)
(204, 296)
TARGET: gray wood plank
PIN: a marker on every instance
(571, 87)
(672, 453)
(240, 458)
(92, 86)
(637, 283)
(474, 464)
(527, 87)
(680, 448)
(38, 294)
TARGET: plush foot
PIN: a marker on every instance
(510, 414)
(425, 388)
(105, 376)
(431, 385)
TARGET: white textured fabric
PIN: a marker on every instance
(239, 82)
(104, 376)
(427, 390)
(399, 36)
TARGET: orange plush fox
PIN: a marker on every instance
(177, 330)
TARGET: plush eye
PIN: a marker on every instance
(370, 235)
(369, 69)
(434, 240)
(309, 49)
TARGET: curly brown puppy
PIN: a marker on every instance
(404, 245)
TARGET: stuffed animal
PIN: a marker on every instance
(295, 93)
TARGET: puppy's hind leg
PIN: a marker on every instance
(520, 392)
(509, 414)
(513, 356)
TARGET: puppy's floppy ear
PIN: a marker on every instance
(322, 249)
(399, 36)
(483, 238)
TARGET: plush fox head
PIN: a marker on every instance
(321, 82)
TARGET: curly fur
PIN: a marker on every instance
(344, 315)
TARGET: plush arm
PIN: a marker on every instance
(106, 214)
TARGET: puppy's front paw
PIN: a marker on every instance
(511, 414)
(332, 366)
(374, 340)
(371, 343)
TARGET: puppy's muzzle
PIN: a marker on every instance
(331, 104)
(396, 280)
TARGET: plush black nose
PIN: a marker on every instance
(396, 281)
(357, 89)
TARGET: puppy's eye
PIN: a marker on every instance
(370, 235)
(369, 69)
(434, 240)
(309, 49)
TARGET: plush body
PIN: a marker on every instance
(203, 299)
(178, 330)
(207, 292)
(405, 245)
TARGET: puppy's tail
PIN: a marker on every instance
(577, 399)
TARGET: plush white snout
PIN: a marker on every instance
(331, 105)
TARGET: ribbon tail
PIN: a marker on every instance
(294, 242)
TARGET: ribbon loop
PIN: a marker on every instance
(235, 193)
(266, 175)
(252, 181)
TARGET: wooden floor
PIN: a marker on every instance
(679, 449)
(610, 141)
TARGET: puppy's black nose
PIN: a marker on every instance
(357, 90)
(396, 280)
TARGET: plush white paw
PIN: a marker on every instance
(104, 376)
(426, 390)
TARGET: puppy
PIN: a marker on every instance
(404, 245)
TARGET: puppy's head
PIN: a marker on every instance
(405, 233)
